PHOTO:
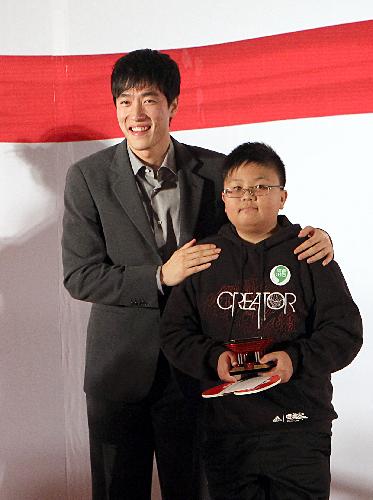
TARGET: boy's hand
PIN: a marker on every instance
(283, 365)
(188, 260)
(227, 360)
(317, 246)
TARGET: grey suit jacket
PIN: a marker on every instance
(110, 259)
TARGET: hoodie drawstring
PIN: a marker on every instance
(243, 260)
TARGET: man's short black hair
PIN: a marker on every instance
(254, 152)
(146, 67)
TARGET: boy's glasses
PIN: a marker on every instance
(239, 192)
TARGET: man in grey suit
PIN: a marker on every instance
(133, 215)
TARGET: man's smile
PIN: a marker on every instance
(139, 129)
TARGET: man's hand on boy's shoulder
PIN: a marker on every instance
(316, 247)
(283, 365)
(188, 260)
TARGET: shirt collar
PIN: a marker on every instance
(168, 162)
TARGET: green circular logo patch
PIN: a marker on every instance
(280, 275)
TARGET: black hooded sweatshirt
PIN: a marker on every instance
(263, 290)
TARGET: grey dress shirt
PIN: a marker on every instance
(160, 193)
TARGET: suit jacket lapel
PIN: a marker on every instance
(191, 188)
(125, 187)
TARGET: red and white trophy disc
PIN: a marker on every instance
(244, 387)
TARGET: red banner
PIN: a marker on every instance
(318, 72)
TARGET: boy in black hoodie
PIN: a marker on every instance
(273, 444)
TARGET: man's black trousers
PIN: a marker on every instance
(124, 437)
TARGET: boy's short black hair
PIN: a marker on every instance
(254, 152)
(146, 67)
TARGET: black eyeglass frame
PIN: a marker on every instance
(251, 190)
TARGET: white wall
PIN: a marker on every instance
(43, 436)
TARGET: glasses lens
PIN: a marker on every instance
(234, 193)
(261, 190)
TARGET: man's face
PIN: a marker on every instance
(144, 118)
(250, 214)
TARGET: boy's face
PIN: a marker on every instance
(254, 215)
(144, 117)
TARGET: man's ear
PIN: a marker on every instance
(174, 106)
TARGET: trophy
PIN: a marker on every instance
(249, 352)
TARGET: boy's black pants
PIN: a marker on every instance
(270, 465)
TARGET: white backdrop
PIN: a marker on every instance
(43, 436)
